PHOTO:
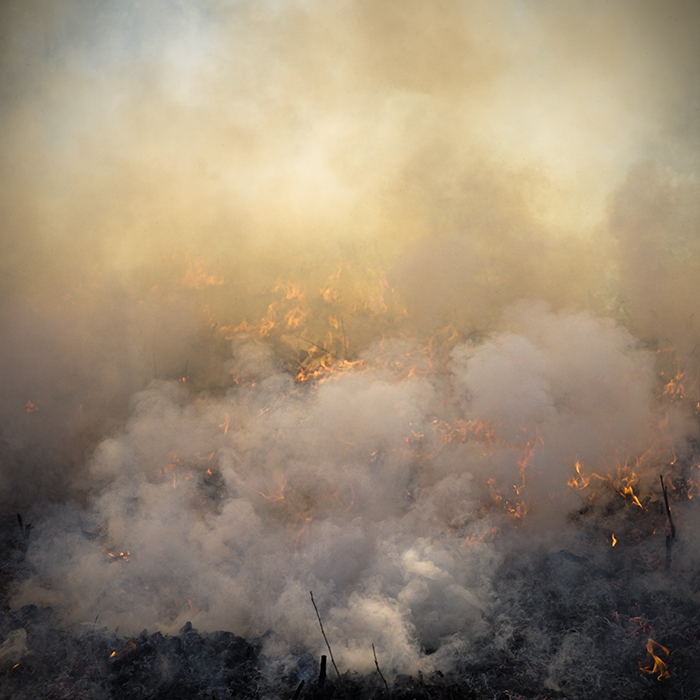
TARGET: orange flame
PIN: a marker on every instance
(628, 492)
(124, 556)
(278, 495)
(197, 276)
(581, 481)
(658, 666)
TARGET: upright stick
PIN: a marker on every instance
(672, 535)
(318, 615)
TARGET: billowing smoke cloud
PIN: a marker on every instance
(379, 490)
(202, 200)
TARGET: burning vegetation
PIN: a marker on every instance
(350, 350)
(437, 497)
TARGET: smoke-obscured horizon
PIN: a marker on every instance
(487, 215)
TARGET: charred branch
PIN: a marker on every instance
(325, 639)
(376, 663)
(672, 528)
(322, 672)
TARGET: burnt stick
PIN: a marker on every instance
(376, 663)
(297, 693)
(672, 536)
(318, 615)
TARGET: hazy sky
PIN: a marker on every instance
(169, 169)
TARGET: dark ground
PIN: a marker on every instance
(578, 627)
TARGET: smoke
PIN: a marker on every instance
(201, 199)
(227, 511)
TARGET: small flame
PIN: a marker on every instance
(658, 666)
(581, 481)
(628, 492)
(124, 556)
(278, 495)
(197, 276)
(614, 539)
(31, 407)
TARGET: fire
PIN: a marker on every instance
(514, 506)
(694, 482)
(323, 367)
(614, 539)
(581, 481)
(623, 484)
(639, 625)
(197, 277)
(31, 407)
(656, 665)
(274, 497)
(628, 492)
(124, 556)
(463, 430)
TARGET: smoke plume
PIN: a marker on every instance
(303, 295)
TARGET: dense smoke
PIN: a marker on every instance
(484, 216)
(227, 511)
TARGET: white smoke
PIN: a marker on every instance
(228, 510)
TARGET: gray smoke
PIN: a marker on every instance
(227, 511)
(484, 214)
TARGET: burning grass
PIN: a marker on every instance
(595, 622)
(476, 519)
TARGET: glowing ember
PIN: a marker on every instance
(123, 556)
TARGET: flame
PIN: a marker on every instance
(628, 492)
(323, 368)
(463, 430)
(31, 407)
(694, 483)
(614, 539)
(581, 481)
(174, 462)
(197, 277)
(658, 666)
(623, 484)
(278, 495)
(124, 556)
(638, 625)
(129, 646)
(225, 424)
